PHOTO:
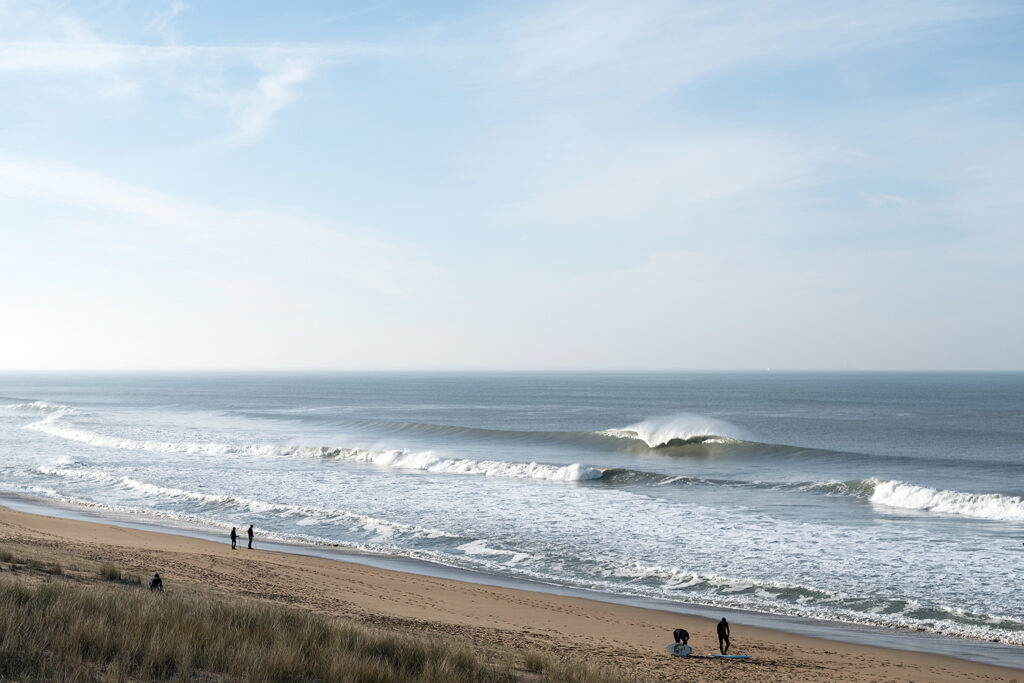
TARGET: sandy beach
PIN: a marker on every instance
(629, 638)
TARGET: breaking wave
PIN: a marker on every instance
(993, 506)
(40, 407)
(425, 461)
(678, 430)
(654, 433)
(428, 462)
(899, 494)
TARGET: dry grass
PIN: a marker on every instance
(68, 631)
(65, 617)
(100, 624)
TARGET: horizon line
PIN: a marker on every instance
(499, 370)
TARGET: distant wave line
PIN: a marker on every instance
(889, 493)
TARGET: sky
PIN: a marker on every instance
(556, 185)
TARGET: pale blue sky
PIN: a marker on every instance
(550, 185)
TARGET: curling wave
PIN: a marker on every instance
(678, 430)
(655, 433)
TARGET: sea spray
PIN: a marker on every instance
(681, 429)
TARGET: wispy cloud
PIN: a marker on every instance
(163, 20)
(275, 90)
(50, 43)
(577, 46)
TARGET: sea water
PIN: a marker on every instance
(886, 499)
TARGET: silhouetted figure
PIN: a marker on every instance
(681, 635)
(723, 636)
(156, 584)
(234, 537)
(250, 537)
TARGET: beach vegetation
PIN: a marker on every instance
(534, 661)
(110, 572)
(60, 620)
(67, 630)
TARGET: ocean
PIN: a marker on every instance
(871, 498)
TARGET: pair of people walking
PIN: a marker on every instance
(234, 537)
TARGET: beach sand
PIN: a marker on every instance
(632, 639)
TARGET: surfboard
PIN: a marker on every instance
(679, 649)
(718, 656)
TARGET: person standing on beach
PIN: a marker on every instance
(250, 537)
(234, 537)
(723, 636)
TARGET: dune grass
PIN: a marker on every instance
(108, 627)
(62, 630)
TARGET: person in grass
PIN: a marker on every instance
(156, 583)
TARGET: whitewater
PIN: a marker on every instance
(890, 500)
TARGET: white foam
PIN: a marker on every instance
(805, 601)
(425, 461)
(311, 514)
(658, 431)
(479, 548)
(41, 407)
(53, 426)
(993, 506)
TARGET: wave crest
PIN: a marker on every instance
(425, 461)
(41, 407)
(993, 506)
(678, 430)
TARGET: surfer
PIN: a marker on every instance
(681, 635)
(723, 636)
(234, 537)
(250, 537)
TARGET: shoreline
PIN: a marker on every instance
(632, 635)
(909, 640)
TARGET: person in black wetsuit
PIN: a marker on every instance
(234, 537)
(681, 635)
(723, 636)
(156, 584)
(250, 537)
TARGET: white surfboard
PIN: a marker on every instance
(679, 649)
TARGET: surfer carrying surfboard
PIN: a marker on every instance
(723, 636)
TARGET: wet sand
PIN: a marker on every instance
(633, 639)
